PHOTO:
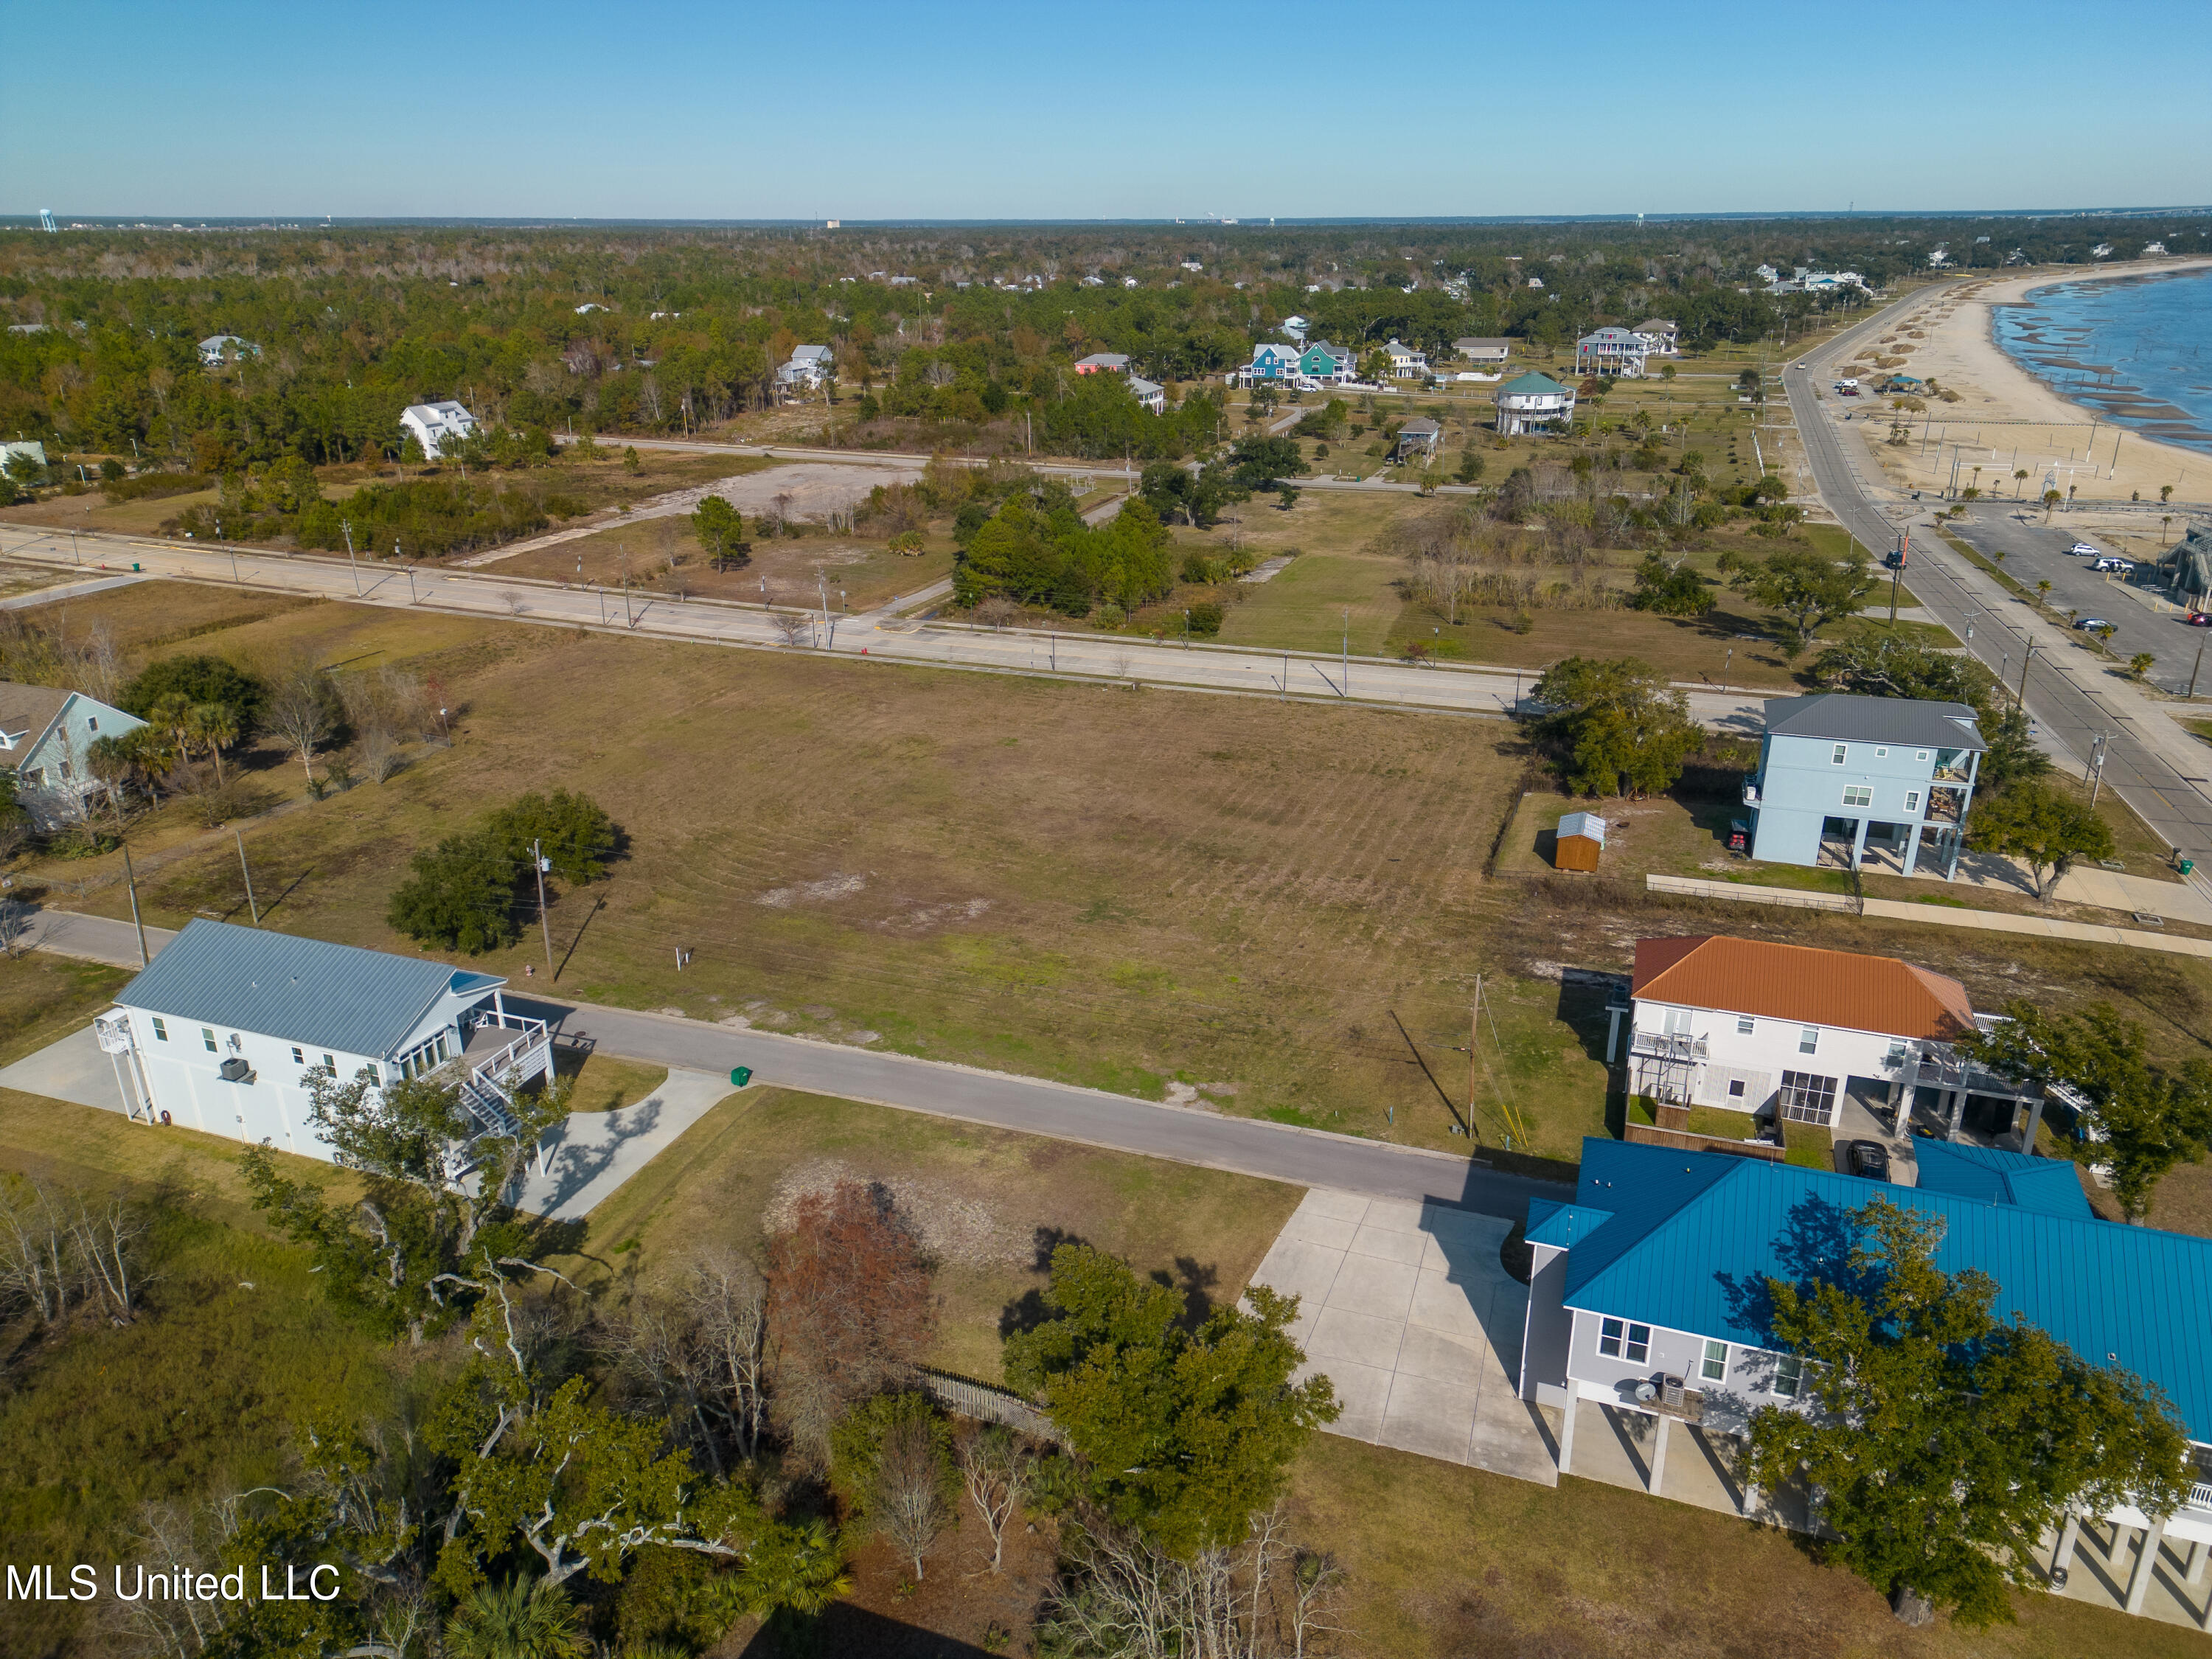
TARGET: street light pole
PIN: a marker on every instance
(539, 863)
(350, 559)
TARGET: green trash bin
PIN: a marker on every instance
(2188, 865)
(740, 1076)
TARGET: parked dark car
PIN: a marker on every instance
(1870, 1158)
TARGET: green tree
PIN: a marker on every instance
(189, 680)
(569, 827)
(1259, 464)
(1615, 725)
(2141, 1119)
(1942, 1443)
(2141, 663)
(460, 895)
(1469, 470)
(434, 1180)
(891, 1461)
(521, 1619)
(1668, 590)
(1186, 1435)
(1809, 587)
(2047, 830)
(721, 529)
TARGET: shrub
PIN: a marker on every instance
(1206, 619)
(196, 679)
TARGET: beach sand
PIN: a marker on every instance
(2007, 418)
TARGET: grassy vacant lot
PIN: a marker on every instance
(1444, 1561)
(989, 1204)
(1114, 887)
(860, 573)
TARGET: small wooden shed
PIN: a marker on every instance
(1581, 839)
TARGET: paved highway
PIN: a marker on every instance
(877, 637)
(2073, 694)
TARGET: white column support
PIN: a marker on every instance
(1659, 1454)
(2196, 1554)
(2146, 1564)
(1567, 1429)
(2061, 1559)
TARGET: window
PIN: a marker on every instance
(1881, 754)
(298, 1059)
(1912, 800)
(1835, 754)
(376, 1081)
(1858, 794)
(1735, 1088)
(1789, 1376)
(1806, 1098)
(92, 725)
(1743, 1024)
(1714, 1366)
(65, 772)
(161, 1029)
(208, 1037)
(1678, 1022)
(1619, 1339)
(1808, 1040)
(330, 1063)
(1921, 755)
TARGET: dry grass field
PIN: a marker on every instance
(1282, 906)
(989, 1205)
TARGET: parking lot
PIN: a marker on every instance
(2035, 551)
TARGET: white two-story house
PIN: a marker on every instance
(1406, 362)
(1618, 352)
(432, 424)
(1853, 777)
(224, 1030)
(1785, 1031)
(809, 366)
(46, 736)
(1646, 1301)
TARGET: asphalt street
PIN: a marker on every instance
(2075, 695)
(1250, 1146)
(877, 637)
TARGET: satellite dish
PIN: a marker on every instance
(1645, 1393)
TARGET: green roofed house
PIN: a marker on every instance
(1533, 403)
(1642, 1307)
(224, 1030)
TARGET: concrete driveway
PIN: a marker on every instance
(1406, 1310)
(593, 1153)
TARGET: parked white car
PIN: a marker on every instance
(2084, 549)
(2109, 562)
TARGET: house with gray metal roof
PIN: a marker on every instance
(1646, 1317)
(1842, 778)
(227, 1029)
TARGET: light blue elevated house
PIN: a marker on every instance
(1647, 1301)
(1842, 777)
(225, 1030)
(46, 736)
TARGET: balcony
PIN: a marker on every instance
(1946, 806)
(1665, 1045)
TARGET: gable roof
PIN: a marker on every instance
(809, 354)
(1803, 983)
(1849, 718)
(1688, 1239)
(1482, 342)
(1105, 360)
(1996, 1177)
(1589, 825)
(1532, 384)
(27, 713)
(1419, 427)
(302, 990)
(437, 414)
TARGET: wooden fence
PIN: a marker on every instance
(988, 1403)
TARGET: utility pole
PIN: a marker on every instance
(2192, 672)
(130, 880)
(1347, 652)
(248, 874)
(2027, 658)
(346, 526)
(537, 863)
(2096, 762)
(1895, 575)
(828, 627)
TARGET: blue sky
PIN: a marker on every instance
(863, 110)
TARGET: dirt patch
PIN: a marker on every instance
(812, 892)
(953, 1225)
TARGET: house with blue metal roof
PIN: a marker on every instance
(1646, 1293)
(227, 1028)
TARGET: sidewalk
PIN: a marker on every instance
(1935, 915)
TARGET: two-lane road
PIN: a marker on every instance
(2075, 695)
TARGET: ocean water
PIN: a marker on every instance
(2137, 349)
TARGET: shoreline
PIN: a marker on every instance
(2140, 411)
(2008, 418)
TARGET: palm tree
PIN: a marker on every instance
(522, 1619)
(213, 727)
(797, 1569)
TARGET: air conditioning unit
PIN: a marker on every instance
(1672, 1391)
(235, 1070)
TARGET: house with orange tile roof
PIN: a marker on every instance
(1789, 1032)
